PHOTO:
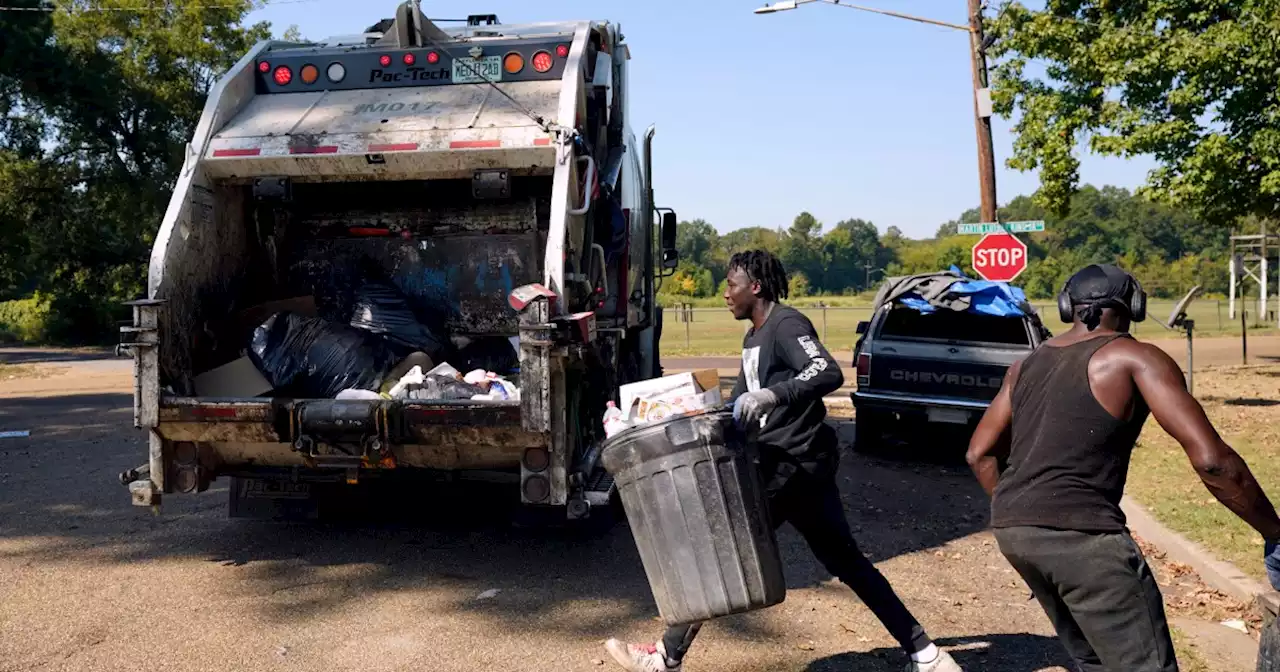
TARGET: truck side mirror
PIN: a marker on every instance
(670, 257)
(862, 327)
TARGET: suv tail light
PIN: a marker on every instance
(863, 366)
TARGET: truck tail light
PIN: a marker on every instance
(863, 366)
(542, 61)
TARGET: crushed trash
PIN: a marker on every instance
(489, 594)
(401, 389)
(358, 394)
(307, 357)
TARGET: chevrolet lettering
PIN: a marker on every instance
(966, 380)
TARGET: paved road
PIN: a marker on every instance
(88, 582)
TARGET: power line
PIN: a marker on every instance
(147, 8)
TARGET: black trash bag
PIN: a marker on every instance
(311, 358)
(491, 353)
(382, 309)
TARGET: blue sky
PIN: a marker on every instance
(826, 109)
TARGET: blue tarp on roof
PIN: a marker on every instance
(989, 298)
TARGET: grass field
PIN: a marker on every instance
(1244, 404)
(713, 331)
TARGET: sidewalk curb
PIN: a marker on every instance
(1222, 576)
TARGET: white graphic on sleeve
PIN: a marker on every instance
(817, 363)
(751, 367)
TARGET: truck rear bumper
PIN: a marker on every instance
(437, 435)
(888, 401)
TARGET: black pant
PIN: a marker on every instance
(1099, 594)
(812, 505)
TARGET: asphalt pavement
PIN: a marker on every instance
(435, 579)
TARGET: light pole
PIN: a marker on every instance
(869, 266)
(978, 44)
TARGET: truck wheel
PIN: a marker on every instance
(869, 429)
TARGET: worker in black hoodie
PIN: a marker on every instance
(785, 374)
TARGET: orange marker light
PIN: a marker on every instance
(513, 63)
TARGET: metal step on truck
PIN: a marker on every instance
(488, 174)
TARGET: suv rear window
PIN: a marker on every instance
(949, 325)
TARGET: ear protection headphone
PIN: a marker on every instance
(1137, 297)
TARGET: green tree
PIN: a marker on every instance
(695, 239)
(801, 249)
(97, 108)
(1189, 82)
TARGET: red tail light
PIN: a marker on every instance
(433, 57)
(542, 61)
(384, 60)
(410, 59)
(562, 51)
(264, 67)
(864, 369)
(283, 75)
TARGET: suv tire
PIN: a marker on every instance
(868, 437)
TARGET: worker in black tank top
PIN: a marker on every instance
(1065, 423)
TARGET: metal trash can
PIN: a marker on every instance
(697, 510)
(1269, 641)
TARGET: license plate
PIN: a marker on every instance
(469, 70)
(949, 416)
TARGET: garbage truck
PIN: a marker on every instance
(484, 174)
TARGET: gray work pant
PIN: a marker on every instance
(1099, 593)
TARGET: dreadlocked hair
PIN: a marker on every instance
(763, 267)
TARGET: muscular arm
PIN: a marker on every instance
(1221, 469)
(818, 373)
(990, 440)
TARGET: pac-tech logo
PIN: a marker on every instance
(409, 75)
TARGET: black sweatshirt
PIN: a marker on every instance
(786, 357)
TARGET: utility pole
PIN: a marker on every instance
(982, 112)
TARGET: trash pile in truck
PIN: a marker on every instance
(382, 352)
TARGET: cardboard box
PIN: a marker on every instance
(660, 398)
(240, 378)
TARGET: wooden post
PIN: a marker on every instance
(1244, 335)
(986, 151)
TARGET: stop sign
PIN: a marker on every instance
(999, 257)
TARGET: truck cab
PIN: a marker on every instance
(487, 173)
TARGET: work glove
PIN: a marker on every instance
(751, 406)
(1272, 562)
